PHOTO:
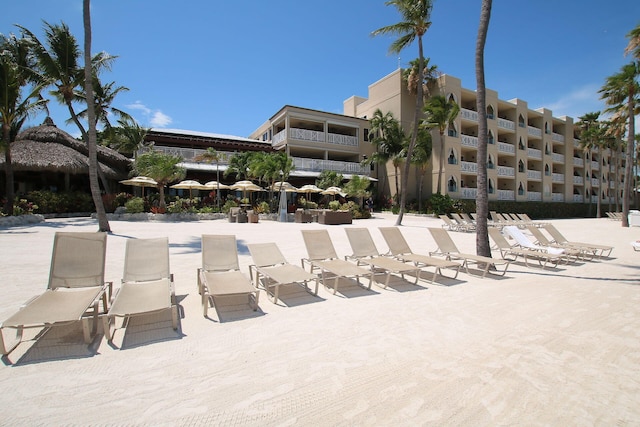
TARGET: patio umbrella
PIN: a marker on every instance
(333, 191)
(189, 184)
(245, 186)
(215, 185)
(283, 186)
(140, 181)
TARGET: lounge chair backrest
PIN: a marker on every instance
(395, 240)
(266, 254)
(539, 235)
(219, 252)
(555, 233)
(319, 245)
(361, 242)
(443, 240)
(498, 238)
(78, 260)
(519, 237)
(446, 219)
(146, 259)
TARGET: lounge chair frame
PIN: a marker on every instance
(558, 238)
(220, 274)
(75, 289)
(399, 249)
(147, 284)
(322, 256)
(448, 249)
(512, 253)
(276, 271)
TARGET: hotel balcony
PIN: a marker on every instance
(315, 166)
(469, 141)
(577, 161)
(557, 197)
(506, 124)
(537, 175)
(557, 157)
(314, 136)
(578, 180)
(534, 153)
(505, 147)
(557, 137)
(595, 182)
(534, 196)
(595, 166)
(468, 193)
(557, 177)
(506, 195)
(506, 171)
(469, 115)
(533, 131)
(577, 198)
(469, 167)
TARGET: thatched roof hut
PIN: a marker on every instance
(47, 148)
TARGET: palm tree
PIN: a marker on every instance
(482, 196)
(619, 89)
(239, 165)
(212, 156)
(410, 75)
(415, 22)
(161, 167)
(128, 137)
(104, 96)
(271, 168)
(633, 47)
(16, 63)
(422, 159)
(440, 112)
(615, 129)
(589, 132)
(357, 187)
(328, 179)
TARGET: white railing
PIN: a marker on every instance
(279, 137)
(335, 138)
(557, 197)
(319, 165)
(533, 131)
(534, 196)
(577, 161)
(469, 114)
(506, 195)
(534, 175)
(595, 182)
(189, 154)
(506, 171)
(557, 177)
(557, 157)
(595, 166)
(578, 180)
(506, 124)
(505, 147)
(469, 141)
(534, 153)
(557, 137)
(576, 143)
(306, 135)
(468, 167)
(468, 193)
(577, 198)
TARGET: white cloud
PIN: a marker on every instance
(154, 118)
(578, 102)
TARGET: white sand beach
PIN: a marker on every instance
(536, 347)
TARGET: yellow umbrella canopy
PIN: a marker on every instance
(215, 185)
(140, 181)
(190, 185)
(283, 186)
(245, 186)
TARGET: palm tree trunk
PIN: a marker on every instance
(482, 196)
(8, 171)
(616, 182)
(626, 190)
(414, 135)
(440, 163)
(103, 222)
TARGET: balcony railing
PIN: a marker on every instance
(533, 131)
(557, 137)
(279, 137)
(595, 166)
(468, 167)
(557, 157)
(469, 141)
(534, 153)
(189, 154)
(505, 147)
(335, 138)
(595, 182)
(469, 114)
(578, 180)
(557, 197)
(319, 165)
(506, 124)
(468, 193)
(306, 135)
(577, 198)
(577, 161)
(537, 175)
(534, 196)
(557, 177)
(506, 195)
(506, 171)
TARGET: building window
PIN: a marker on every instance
(491, 140)
(366, 135)
(451, 131)
(491, 189)
(547, 172)
(452, 186)
(521, 122)
(521, 190)
(490, 164)
(489, 112)
(520, 166)
(452, 158)
(520, 144)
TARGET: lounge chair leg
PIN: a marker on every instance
(85, 330)
(3, 346)
(174, 317)
(106, 325)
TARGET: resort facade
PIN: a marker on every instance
(532, 155)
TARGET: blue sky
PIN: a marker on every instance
(227, 66)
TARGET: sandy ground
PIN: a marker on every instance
(536, 347)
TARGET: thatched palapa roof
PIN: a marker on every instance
(47, 148)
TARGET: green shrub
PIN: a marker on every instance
(356, 211)
(441, 204)
(24, 207)
(134, 205)
(180, 206)
(334, 205)
(230, 203)
(207, 209)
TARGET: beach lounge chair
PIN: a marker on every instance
(322, 256)
(579, 252)
(523, 241)
(147, 283)
(636, 245)
(220, 274)
(449, 224)
(558, 238)
(511, 252)
(365, 252)
(448, 249)
(269, 263)
(462, 223)
(399, 248)
(76, 286)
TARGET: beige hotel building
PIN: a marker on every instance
(532, 155)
